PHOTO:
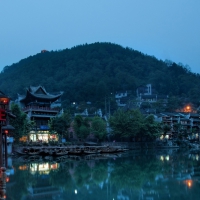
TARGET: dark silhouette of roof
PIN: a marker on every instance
(39, 94)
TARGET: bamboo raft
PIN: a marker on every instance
(68, 150)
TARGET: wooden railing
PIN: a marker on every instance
(39, 108)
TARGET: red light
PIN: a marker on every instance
(7, 179)
(2, 115)
(4, 100)
(6, 131)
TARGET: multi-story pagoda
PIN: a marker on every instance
(40, 106)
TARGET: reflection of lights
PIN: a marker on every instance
(161, 158)
(54, 166)
(188, 183)
(7, 179)
(23, 167)
(43, 167)
(75, 191)
(197, 157)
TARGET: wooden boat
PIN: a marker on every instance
(34, 151)
(60, 152)
(109, 150)
(22, 151)
(90, 151)
(75, 151)
(45, 152)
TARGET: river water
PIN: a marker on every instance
(133, 175)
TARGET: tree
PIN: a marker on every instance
(151, 128)
(98, 127)
(81, 126)
(126, 124)
(60, 124)
(21, 123)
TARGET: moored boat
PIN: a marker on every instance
(60, 152)
(109, 150)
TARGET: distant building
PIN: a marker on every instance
(145, 90)
(122, 98)
(40, 106)
(148, 94)
(44, 51)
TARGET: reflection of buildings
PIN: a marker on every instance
(165, 176)
(39, 167)
(43, 168)
(40, 106)
(42, 189)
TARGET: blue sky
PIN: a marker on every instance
(166, 29)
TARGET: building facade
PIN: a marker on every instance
(40, 106)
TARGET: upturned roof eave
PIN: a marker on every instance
(52, 98)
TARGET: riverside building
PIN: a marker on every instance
(40, 106)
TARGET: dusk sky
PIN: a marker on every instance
(166, 29)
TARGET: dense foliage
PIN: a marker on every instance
(132, 124)
(91, 72)
(21, 123)
(83, 127)
(60, 124)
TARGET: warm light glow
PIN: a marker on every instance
(4, 100)
(188, 107)
(23, 139)
(7, 179)
(188, 183)
(54, 166)
(43, 167)
(23, 167)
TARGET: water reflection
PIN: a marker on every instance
(143, 176)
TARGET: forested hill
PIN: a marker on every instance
(90, 72)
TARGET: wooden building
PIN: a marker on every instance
(40, 106)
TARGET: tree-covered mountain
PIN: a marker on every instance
(89, 72)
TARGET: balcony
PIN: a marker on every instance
(37, 108)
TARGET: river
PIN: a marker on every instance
(143, 175)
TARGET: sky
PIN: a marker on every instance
(166, 29)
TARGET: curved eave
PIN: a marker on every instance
(32, 97)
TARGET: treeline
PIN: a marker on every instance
(90, 72)
(124, 126)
